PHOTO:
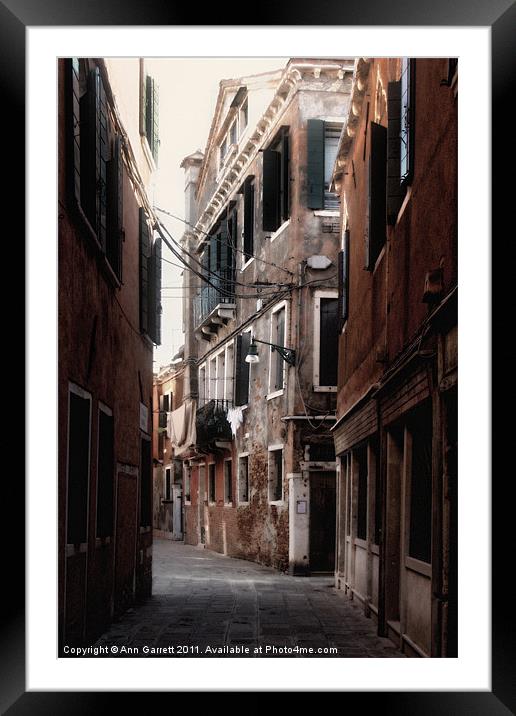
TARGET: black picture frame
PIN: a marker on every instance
(500, 16)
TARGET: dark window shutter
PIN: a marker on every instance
(315, 164)
(224, 244)
(73, 128)
(103, 159)
(285, 177)
(88, 150)
(271, 189)
(329, 341)
(242, 369)
(155, 121)
(248, 217)
(395, 192)
(377, 193)
(148, 110)
(214, 255)
(166, 402)
(343, 278)
(154, 320)
(115, 208)
(145, 257)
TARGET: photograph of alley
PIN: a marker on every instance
(257, 336)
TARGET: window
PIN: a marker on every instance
(244, 115)
(211, 482)
(202, 385)
(105, 474)
(233, 133)
(213, 378)
(145, 483)
(407, 120)
(228, 481)
(187, 472)
(420, 534)
(78, 465)
(223, 151)
(360, 456)
(228, 378)
(275, 474)
(343, 281)
(277, 365)
(95, 164)
(243, 342)
(276, 182)
(149, 116)
(150, 281)
(243, 478)
(377, 208)
(322, 142)
(167, 494)
(326, 341)
(248, 232)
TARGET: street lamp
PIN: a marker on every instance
(288, 354)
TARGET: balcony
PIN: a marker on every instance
(211, 425)
(214, 305)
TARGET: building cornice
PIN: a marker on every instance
(358, 91)
(295, 75)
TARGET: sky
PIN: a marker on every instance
(188, 90)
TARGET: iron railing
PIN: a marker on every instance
(220, 290)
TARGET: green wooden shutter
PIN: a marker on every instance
(103, 158)
(315, 164)
(115, 208)
(248, 217)
(395, 192)
(285, 177)
(145, 256)
(155, 121)
(271, 190)
(242, 369)
(148, 109)
(377, 193)
(73, 129)
(155, 293)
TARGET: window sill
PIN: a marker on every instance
(280, 230)
(188, 503)
(358, 542)
(246, 264)
(276, 394)
(228, 504)
(325, 388)
(243, 503)
(326, 212)
(277, 503)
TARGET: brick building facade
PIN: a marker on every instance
(109, 317)
(396, 429)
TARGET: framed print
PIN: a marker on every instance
(197, 500)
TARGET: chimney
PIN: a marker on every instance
(192, 166)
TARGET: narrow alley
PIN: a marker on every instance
(203, 599)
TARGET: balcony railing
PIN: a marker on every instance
(222, 292)
(211, 423)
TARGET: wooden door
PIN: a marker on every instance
(322, 521)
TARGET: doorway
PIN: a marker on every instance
(322, 521)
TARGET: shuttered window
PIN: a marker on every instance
(277, 370)
(275, 475)
(377, 208)
(420, 533)
(276, 183)
(328, 341)
(407, 120)
(228, 481)
(242, 369)
(212, 494)
(322, 145)
(150, 281)
(150, 119)
(343, 279)
(248, 191)
(105, 476)
(360, 457)
(145, 484)
(115, 208)
(243, 479)
(78, 467)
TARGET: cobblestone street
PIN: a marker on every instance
(204, 602)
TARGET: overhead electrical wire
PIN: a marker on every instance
(241, 251)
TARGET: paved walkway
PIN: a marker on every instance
(205, 604)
